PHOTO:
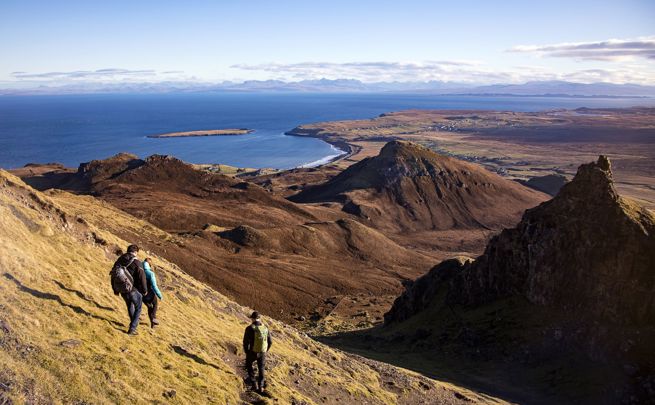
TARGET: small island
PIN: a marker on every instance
(208, 132)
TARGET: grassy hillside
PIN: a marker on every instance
(62, 331)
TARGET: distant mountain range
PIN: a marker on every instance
(534, 88)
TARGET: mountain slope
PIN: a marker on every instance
(568, 292)
(62, 331)
(300, 255)
(408, 187)
(175, 196)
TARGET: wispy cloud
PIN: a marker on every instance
(609, 50)
(108, 74)
(446, 71)
(365, 71)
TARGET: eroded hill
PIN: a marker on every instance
(409, 188)
(62, 331)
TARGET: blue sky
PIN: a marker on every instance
(59, 42)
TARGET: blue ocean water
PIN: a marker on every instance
(77, 128)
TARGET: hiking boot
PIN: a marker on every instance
(154, 322)
(255, 387)
(132, 332)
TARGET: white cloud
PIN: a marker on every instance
(447, 71)
(609, 50)
(366, 71)
(99, 75)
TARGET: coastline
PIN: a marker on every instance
(348, 149)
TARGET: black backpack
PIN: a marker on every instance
(122, 281)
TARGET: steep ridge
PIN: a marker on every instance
(174, 195)
(62, 334)
(576, 276)
(408, 187)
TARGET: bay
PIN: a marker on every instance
(71, 129)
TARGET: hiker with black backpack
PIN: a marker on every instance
(129, 280)
(256, 343)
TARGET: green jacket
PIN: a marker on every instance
(249, 338)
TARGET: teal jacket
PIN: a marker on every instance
(151, 280)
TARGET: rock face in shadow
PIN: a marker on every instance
(422, 292)
(583, 261)
(586, 250)
(96, 171)
(549, 184)
(410, 187)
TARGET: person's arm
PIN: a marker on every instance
(153, 285)
(270, 340)
(247, 339)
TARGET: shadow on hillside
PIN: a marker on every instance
(82, 296)
(367, 344)
(184, 352)
(49, 180)
(56, 298)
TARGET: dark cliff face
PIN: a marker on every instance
(425, 290)
(581, 264)
(586, 250)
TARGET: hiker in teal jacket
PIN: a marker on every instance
(154, 295)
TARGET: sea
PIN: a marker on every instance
(72, 129)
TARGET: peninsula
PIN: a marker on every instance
(208, 132)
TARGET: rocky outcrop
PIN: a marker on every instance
(410, 187)
(423, 291)
(588, 249)
(583, 261)
(245, 235)
(96, 171)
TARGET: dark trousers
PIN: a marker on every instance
(152, 302)
(133, 300)
(260, 358)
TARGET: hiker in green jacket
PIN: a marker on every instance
(256, 342)
(154, 295)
